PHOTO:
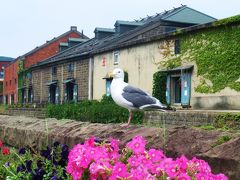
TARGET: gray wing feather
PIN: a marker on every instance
(137, 96)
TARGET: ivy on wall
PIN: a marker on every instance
(217, 55)
(216, 52)
(1, 87)
(159, 86)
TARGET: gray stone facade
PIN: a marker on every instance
(42, 76)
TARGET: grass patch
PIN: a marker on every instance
(221, 140)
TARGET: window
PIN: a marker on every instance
(15, 81)
(177, 46)
(70, 67)
(1, 74)
(116, 56)
(54, 70)
(10, 82)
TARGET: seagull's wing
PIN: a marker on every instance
(137, 96)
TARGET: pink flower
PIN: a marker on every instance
(119, 171)
(139, 173)
(133, 161)
(182, 162)
(184, 176)
(114, 144)
(90, 142)
(137, 145)
(202, 176)
(103, 161)
(172, 170)
(101, 169)
(155, 155)
(221, 177)
(198, 166)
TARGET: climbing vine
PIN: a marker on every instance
(159, 86)
(216, 52)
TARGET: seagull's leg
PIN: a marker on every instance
(129, 118)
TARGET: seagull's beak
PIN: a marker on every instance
(111, 74)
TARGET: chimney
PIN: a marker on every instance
(124, 26)
(73, 28)
(101, 33)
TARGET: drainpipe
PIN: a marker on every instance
(90, 79)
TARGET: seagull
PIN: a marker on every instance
(130, 97)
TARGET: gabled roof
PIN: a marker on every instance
(188, 15)
(55, 39)
(6, 59)
(182, 14)
(95, 46)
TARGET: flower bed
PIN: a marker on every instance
(104, 160)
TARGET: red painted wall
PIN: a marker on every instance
(31, 59)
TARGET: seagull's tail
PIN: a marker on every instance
(158, 107)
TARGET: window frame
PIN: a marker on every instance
(116, 57)
(177, 46)
(71, 67)
(54, 70)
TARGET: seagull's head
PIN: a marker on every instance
(117, 74)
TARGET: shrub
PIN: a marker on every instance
(159, 86)
(227, 121)
(105, 111)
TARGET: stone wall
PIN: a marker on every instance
(152, 118)
(183, 118)
(40, 78)
(27, 112)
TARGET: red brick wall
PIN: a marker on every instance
(40, 55)
(3, 64)
(47, 51)
(10, 74)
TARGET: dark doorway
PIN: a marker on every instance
(6, 99)
(30, 95)
(52, 92)
(69, 89)
(12, 98)
(176, 82)
(23, 95)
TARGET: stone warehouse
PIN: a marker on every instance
(201, 67)
(17, 86)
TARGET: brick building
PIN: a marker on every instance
(63, 78)
(16, 86)
(4, 61)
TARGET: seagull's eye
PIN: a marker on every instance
(118, 71)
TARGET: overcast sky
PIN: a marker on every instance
(25, 24)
